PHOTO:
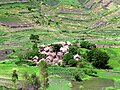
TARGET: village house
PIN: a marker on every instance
(77, 57)
(55, 58)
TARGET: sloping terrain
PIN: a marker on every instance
(97, 20)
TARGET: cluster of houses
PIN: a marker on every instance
(54, 58)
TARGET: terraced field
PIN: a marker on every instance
(97, 21)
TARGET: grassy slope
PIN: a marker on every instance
(75, 29)
(7, 68)
(57, 35)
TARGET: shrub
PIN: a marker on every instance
(19, 63)
(77, 76)
(81, 63)
(73, 49)
(65, 31)
(80, 51)
(87, 45)
(89, 72)
(56, 47)
(72, 62)
(84, 64)
(68, 57)
(25, 54)
(34, 37)
(98, 58)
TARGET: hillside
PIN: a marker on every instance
(93, 19)
(55, 21)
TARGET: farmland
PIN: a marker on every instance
(96, 21)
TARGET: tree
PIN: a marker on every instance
(34, 38)
(35, 50)
(67, 57)
(14, 77)
(56, 47)
(44, 73)
(73, 49)
(98, 58)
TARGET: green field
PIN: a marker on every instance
(60, 20)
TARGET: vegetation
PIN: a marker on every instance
(20, 63)
(6, 88)
(77, 75)
(44, 73)
(72, 63)
(87, 45)
(68, 57)
(24, 26)
(34, 37)
(73, 50)
(56, 47)
(32, 80)
(98, 58)
(14, 77)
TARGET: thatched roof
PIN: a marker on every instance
(77, 56)
(63, 49)
(59, 54)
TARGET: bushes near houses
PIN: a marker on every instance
(87, 45)
(35, 50)
(67, 57)
(81, 63)
(98, 58)
(72, 62)
(56, 47)
(73, 50)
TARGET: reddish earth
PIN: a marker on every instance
(107, 46)
(72, 11)
(16, 24)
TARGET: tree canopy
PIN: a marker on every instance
(98, 58)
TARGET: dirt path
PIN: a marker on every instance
(107, 46)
